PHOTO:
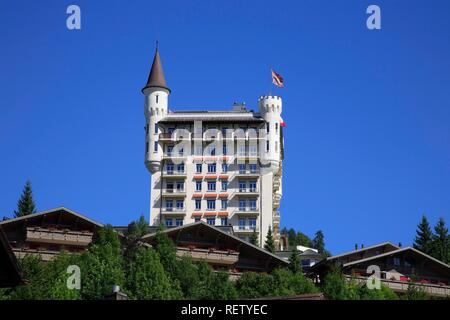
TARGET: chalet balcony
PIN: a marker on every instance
(212, 256)
(63, 237)
(44, 255)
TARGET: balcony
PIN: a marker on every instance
(247, 191)
(174, 192)
(210, 255)
(174, 174)
(173, 211)
(63, 237)
(251, 211)
(248, 173)
(245, 229)
(166, 137)
(171, 155)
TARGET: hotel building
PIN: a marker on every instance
(220, 167)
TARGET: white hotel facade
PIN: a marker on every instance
(222, 167)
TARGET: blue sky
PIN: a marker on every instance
(367, 142)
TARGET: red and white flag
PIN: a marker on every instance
(282, 123)
(277, 79)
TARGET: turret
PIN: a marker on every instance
(270, 108)
(156, 101)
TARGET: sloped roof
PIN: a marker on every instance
(224, 233)
(156, 77)
(10, 275)
(49, 212)
(387, 243)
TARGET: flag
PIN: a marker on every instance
(282, 123)
(277, 79)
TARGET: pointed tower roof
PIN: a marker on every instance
(156, 77)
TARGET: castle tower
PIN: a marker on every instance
(270, 108)
(156, 101)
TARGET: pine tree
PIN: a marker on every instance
(424, 238)
(319, 242)
(254, 238)
(25, 205)
(270, 244)
(292, 238)
(441, 246)
(294, 262)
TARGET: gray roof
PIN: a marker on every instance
(213, 116)
(156, 77)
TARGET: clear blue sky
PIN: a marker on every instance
(367, 141)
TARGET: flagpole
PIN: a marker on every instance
(270, 86)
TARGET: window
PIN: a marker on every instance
(211, 167)
(180, 168)
(276, 127)
(157, 98)
(241, 223)
(196, 219)
(242, 168)
(179, 222)
(252, 223)
(146, 147)
(213, 151)
(170, 130)
(268, 127)
(242, 186)
(253, 167)
(276, 146)
(224, 168)
(156, 128)
(252, 185)
(169, 150)
(267, 146)
(180, 186)
(224, 185)
(180, 204)
(198, 185)
(252, 204)
(224, 221)
(198, 204)
(224, 132)
(198, 167)
(224, 149)
(169, 168)
(211, 204)
(169, 185)
(224, 203)
(242, 204)
(155, 147)
(211, 221)
(211, 185)
(169, 222)
(147, 126)
(169, 205)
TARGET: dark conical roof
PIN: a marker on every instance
(156, 77)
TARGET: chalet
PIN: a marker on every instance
(48, 232)
(220, 248)
(10, 275)
(399, 268)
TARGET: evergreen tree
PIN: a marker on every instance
(441, 245)
(319, 242)
(304, 240)
(135, 231)
(254, 238)
(294, 262)
(292, 238)
(270, 243)
(424, 238)
(25, 205)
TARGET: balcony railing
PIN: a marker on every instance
(35, 234)
(248, 190)
(174, 210)
(246, 228)
(174, 191)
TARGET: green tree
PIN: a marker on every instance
(304, 240)
(415, 292)
(440, 244)
(254, 238)
(292, 238)
(135, 231)
(146, 279)
(319, 242)
(167, 251)
(294, 262)
(270, 243)
(424, 238)
(254, 285)
(102, 265)
(25, 205)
